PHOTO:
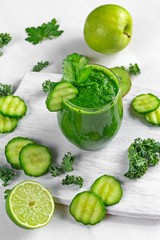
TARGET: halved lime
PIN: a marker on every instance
(30, 205)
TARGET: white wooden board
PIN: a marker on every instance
(141, 197)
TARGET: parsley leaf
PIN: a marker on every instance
(6, 193)
(6, 175)
(142, 154)
(45, 31)
(5, 38)
(5, 90)
(67, 162)
(73, 68)
(66, 165)
(134, 69)
(73, 180)
(39, 66)
(47, 85)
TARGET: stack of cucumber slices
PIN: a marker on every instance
(23, 153)
(12, 108)
(149, 105)
(88, 207)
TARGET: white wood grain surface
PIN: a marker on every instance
(19, 58)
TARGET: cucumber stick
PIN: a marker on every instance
(12, 106)
(35, 159)
(7, 124)
(145, 103)
(108, 188)
(57, 93)
(87, 208)
(13, 149)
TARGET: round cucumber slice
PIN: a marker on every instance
(57, 93)
(30, 205)
(108, 188)
(124, 78)
(35, 159)
(7, 124)
(145, 103)
(13, 148)
(154, 117)
(87, 208)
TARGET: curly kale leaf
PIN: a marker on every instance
(47, 85)
(132, 70)
(73, 180)
(67, 162)
(5, 90)
(142, 154)
(45, 31)
(5, 38)
(6, 175)
(39, 66)
(55, 170)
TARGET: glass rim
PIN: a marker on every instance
(107, 105)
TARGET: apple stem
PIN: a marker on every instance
(127, 34)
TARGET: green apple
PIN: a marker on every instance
(108, 29)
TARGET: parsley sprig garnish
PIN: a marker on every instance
(47, 85)
(45, 31)
(39, 66)
(5, 38)
(132, 70)
(142, 154)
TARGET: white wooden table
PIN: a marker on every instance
(19, 58)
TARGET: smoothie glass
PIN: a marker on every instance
(92, 128)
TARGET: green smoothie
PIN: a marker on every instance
(94, 116)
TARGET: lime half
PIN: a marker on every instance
(30, 205)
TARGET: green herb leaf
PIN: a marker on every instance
(1, 53)
(5, 90)
(47, 85)
(73, 180)
(5, 38)
(67, 162)
(55, 170)
(134, 69)
(45, 31)
(6, 175)
(6, 193)
(83, 75)
(39, 66)
(142, 154)
(72, 67)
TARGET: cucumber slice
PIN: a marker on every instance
(13, 148)
(87, 208)
(145, 103)
(108, 188)
(154, 117)
(124, 78)
(58, 91)
(35, 159)
(7, 124)
(12, 106)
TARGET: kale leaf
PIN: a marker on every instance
(5, 90)
(55, 170)
(73, 180)
(45, 31)
(5, 38)
(142, 154)
(6, 175)
(6, 193)
(132, 70)
(39, 66)
(47, 85)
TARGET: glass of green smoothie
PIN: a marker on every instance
(93, 117)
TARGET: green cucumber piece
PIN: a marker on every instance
(7, 124)
(154, 117)
(58, 91)
(12, 106)
(13, 148)
(108, 188)
(124, 79)
(145, 103)
(87, 208)
(35, 159)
